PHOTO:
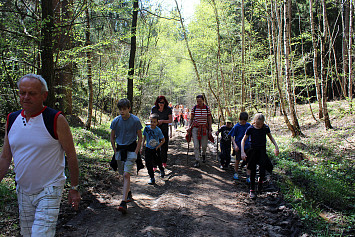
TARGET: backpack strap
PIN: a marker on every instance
(50, 117)
(11, 117)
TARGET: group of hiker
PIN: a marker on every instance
(248, 142)
(37, 138)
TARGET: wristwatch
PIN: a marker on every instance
(76, 187)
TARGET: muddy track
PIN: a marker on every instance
(189, 201)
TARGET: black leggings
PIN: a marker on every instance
(152, 158)
(258, 156)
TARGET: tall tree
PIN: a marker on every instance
(187, 44)
(323, 73)
(290, 93)
(47, 67)
(132, 55)
(88, 64)
(351, 75)
(276, 45)
(315, 60)
(243, 94)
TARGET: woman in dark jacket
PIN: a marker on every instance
(165, 117)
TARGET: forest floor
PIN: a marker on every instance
(189, 201)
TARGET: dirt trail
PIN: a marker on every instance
(189, 201)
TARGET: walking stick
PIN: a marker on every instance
(187, 155)
(219, 118)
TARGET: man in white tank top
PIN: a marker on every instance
(38, 155)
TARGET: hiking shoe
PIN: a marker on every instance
(197, 164)
(235, 176)
(129, 197)
(151, 181)
(260, 187)
(162, 173)
(204, 158)
(252, 194)
(123, 207)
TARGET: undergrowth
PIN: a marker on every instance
(317, 174)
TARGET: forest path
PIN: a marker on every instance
(189, 201)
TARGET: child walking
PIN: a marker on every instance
(257, 155)
(237, 133)
(155, 139)
(225, 156)
(125, 129)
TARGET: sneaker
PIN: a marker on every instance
(164, 165)
(252, 194)
(123, 207)
(248, 179)
(235, 176)
(151, 181)
(129, 197)
(162, 174)
(197, 164)
(204, 158)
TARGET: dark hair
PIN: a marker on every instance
(154, 116)
(124, 104)
(243, 116)
(159, 98)
(200, 96)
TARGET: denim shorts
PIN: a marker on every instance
(128, 165)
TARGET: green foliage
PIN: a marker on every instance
(317, 179)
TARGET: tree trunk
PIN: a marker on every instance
(132, 54)
(274, 42)
(291, 96)
(323, 69)
(219, 63)
(187, 45)
(345, 13)
(315, 61)
(64, 75)
(351, 76)
(243, 96)
(47, 67)
(88, 64)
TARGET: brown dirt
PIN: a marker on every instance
(187, 202)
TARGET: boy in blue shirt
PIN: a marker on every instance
(237, 134)
(125, 129)
(155, 139)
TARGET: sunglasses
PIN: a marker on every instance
(161, 102)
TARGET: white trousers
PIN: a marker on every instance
(39, 211)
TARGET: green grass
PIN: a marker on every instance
(320, 186)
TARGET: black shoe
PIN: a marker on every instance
(162, 173)
(260, 187)
(151, 181)
(129, 197)
(123, 207)
(204, 158)
(197, 164)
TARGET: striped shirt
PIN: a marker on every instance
(201, 114)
